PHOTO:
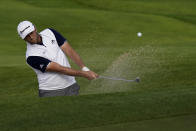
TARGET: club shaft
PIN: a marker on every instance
(114, 78)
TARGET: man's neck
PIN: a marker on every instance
(40, 40)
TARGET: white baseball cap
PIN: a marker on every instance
(24, 28)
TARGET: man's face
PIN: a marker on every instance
(32, 37)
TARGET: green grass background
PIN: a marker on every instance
(104, 33)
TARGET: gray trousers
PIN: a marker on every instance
(68, 91)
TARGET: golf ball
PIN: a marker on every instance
(139, 34)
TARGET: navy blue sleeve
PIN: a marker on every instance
(38, 62)
(60, 39)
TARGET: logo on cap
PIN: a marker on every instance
(24, 29)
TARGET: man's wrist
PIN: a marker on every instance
(85, 68)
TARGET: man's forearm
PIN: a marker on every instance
(67, 49)
(76, 58)
(55, 67)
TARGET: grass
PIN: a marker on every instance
(102, 109)
(104, 33)
(179, 123)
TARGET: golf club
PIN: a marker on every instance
(120, 79)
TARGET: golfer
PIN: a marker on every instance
(47, 53)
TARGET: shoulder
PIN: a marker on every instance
(33, 50)
(46, 31)
(51, 29)
(60, 38)
(55, 32)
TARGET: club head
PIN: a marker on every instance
(137, 80)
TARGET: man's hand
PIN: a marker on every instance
(90, 75)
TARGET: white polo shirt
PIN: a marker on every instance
(49, 51)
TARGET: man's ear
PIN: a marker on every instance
(36, 31)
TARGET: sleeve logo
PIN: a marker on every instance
(41, 66)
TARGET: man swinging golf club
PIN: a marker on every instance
(46, 54)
